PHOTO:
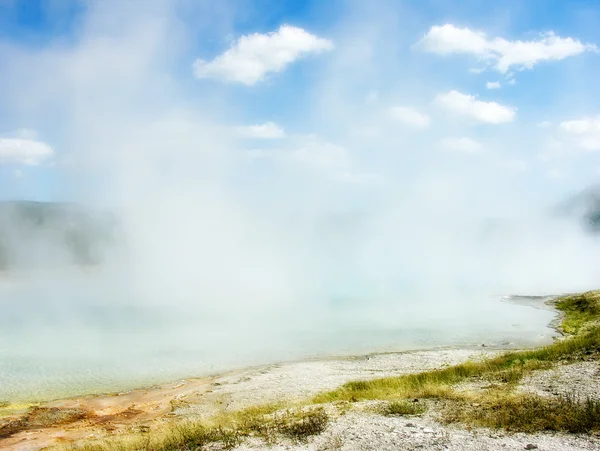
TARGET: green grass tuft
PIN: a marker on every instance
(402, 408)
(299, 426)
(528, 413)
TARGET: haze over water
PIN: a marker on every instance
(100, 347)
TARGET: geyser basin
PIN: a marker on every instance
(87, 343)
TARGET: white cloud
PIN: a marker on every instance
(500, 53)
(544, 124)
(253, 56)
(493, 85)
(581, 126)
(585, 132)
(23, 151)
(464, 144)
(512, 82)
(468, 106)
(409, 116)
(268, 130)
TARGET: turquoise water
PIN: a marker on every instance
(65, 347)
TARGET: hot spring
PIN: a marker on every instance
(62, 338)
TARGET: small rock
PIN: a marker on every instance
(410, 425)
(531, 446)
(430, 431)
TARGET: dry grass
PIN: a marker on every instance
(225, 430)
(526, 413)
(401, 408)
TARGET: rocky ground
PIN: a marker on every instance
(579, 380)
(364, 431)
(300, 380)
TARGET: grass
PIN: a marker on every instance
(227, 430)
(581, 311)
(527, 413)
(271, 421)
(401, 408)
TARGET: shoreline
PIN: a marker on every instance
(203, 397)
(20, 405)
(538, 302)
(511, 341)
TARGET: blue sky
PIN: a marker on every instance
(486, 104)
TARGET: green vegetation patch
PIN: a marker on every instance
(527, 413)
(581, 311)
(402, 408)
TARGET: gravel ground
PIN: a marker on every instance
(299, 380)
(362, 431)
(580, 380)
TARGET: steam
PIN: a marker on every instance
(227, 257)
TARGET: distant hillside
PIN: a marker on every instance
(584, 206)
(45, 234)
